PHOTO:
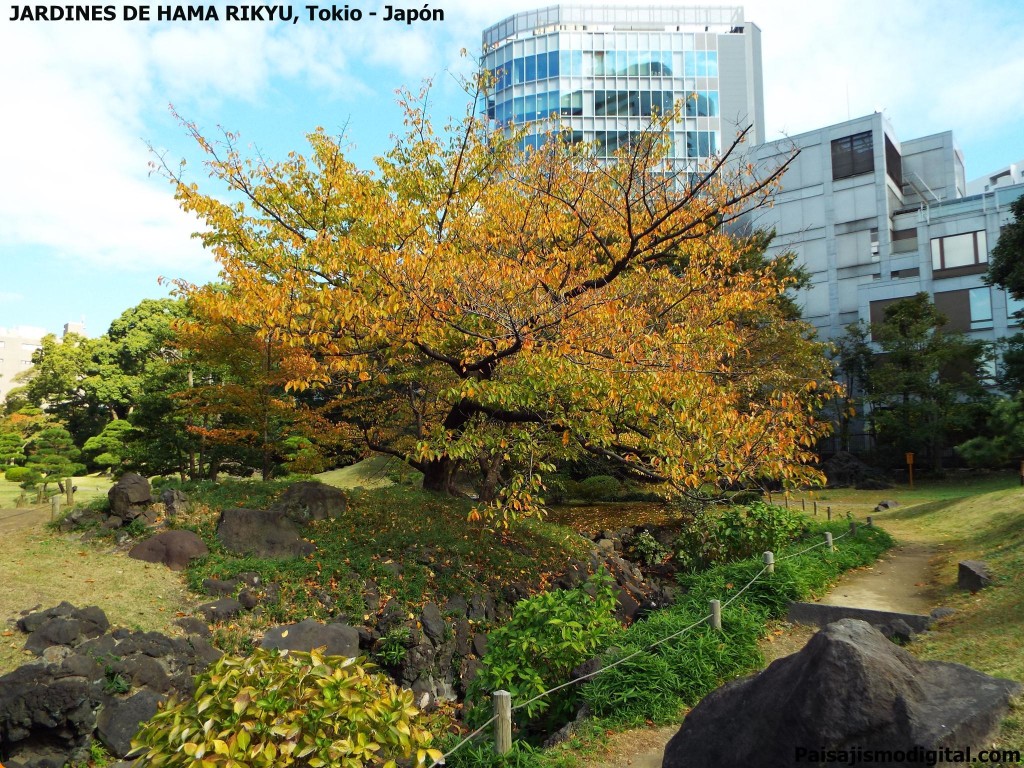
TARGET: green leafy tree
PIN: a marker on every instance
(1004, 442)
(109, 448)
(1006, 262)
(53, 454)
(853, 361)
(12, 448)
(925, 387)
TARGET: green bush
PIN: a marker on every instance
(681, 671)
(710, 538)
(277, 709)
(549, 634)
(648, 549)
(17, 474)
(598, 488)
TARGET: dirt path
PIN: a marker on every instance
(901, 580)
(13, 520)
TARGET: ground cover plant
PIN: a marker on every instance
(416, 546)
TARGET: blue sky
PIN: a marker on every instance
(86, 231)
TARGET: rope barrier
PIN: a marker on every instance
(637, 652)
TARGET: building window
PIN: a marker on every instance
(893, 164)
(981, 307)
(1013, 306)
(966, 250)
(852, 156)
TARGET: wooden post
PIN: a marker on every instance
(871, 523)
(803, 504)
(815, 509)
(1021, 482)
(503, 722)
(716, 614)
(853, 527)
(828, 541)
(828, 511)
(70, 488)
(769, 562)
(54, 506)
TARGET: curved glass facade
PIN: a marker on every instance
(603, 73)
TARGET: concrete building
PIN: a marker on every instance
(605, 70)
(16, 347)
(875, 219)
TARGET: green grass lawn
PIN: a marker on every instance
(89, 487)
(986, 631)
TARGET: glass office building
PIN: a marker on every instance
(603, 71)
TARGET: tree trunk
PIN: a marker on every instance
(439, 475)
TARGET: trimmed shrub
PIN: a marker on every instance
(17, 474)
(549, 634)
(278, 709)
(736, 533)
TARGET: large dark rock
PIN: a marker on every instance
(224, 609)
(433, 623)
(850, 688)
(310, 500)
(62, 625)
(45, 717)
(973, 575)
(129, 496)
(263, 533)
(171, 548)
(119, 720)
(338, 639)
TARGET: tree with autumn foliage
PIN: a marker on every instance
(481, 312)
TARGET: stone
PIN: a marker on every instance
(463, 633)
(338, 639)
(46, 717)
(129, 496)
(119, 720)
(886, 504)
(248, 599)
(63, 625)
(941, 612)
(309, 500)
(224, 609)
(171, 548)
(220, 586)
(263, 533)
(480, 644)
(433, 623)
(973, 575)
(898, 631)
(849, 688)
(174, 501)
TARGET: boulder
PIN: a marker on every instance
(338, 639)
(263, 533)
(119, 720)
(174, 501)
(224, 609)
(433, 623)
(849, 688)
(309, 500)
(63, 625)
(171, 548)
(46, 718)
(973, 575)
(129, 496)
(886, 504)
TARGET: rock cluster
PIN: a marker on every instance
(89, 683)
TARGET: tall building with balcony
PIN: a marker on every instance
(605, 71)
